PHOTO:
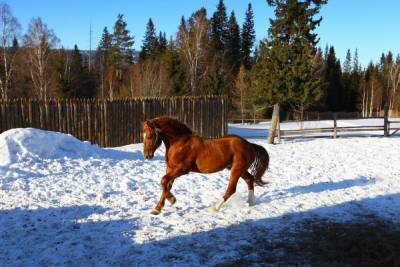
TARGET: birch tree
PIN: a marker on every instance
(192, 41)
(394, 82)
(9, 32)
(39, 40)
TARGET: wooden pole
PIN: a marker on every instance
(334, 125)
(386, 121)
(274, 123)
(279, 129)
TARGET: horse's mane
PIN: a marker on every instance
(171, 126)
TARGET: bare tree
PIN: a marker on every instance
(241, 98)
(394, 82)
(192, 40)
(9, 32)
(39, 40)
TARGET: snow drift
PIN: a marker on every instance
(21, 144)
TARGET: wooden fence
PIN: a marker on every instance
(386, 128)
(114, 123)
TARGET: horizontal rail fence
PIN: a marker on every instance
(114, 123)
(388, 128)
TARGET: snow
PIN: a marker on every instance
(67, 202)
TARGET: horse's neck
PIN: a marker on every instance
(170, 139)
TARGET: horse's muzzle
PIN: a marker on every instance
(149, 156)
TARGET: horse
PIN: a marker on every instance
(188, 152)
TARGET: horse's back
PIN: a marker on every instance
(219, 153)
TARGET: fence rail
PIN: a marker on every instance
(333, 131)
(114, 123)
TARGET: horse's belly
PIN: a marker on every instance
(212, 164)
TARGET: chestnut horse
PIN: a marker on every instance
(187, 152)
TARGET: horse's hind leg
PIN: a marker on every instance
(249, 179)
(230, 190)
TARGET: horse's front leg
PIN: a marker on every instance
(166, 183)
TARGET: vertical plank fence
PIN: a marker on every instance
(114, 123)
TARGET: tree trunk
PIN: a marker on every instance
(274, 123)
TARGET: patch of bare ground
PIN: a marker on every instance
(367, 241)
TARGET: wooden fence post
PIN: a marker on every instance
(274, 123)
(386, 121)
(334, 125)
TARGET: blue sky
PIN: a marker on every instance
(372, 26)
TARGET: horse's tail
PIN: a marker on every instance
(260, 164)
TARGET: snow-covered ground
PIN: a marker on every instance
(67, 202)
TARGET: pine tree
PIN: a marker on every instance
(121, 46)
(356, 65)
(347, 63)
(214, 82)
(161, 43)
(219, 29)
(81, 84)
(247, 37)
(150, 42)
(335, 98)
(285, 70)
(103, 53)
(347, 82)
(173, 67)
(355, 79)
(232, 49)
(60, 78)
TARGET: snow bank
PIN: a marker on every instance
(17, 145)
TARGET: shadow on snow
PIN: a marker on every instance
(302, 237)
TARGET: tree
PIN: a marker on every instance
(232, 46)
(347, 63)
(347, 82)
(192, 42)
(150, 42)
(247, 37)
(219, 29)
(214, 82)
(241, 97)
(161, 43)
(120, 56)
(172, 64)
(102, 59)
(333, 82)
(371, 90)
(394, 82)
(285, 70)
(81, 83)
(61, 74)
(39, 40)
(9, 31)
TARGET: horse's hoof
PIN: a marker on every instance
(171, 200)
(155, 212)
(251, 202)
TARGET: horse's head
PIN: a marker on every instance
(151, 138)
